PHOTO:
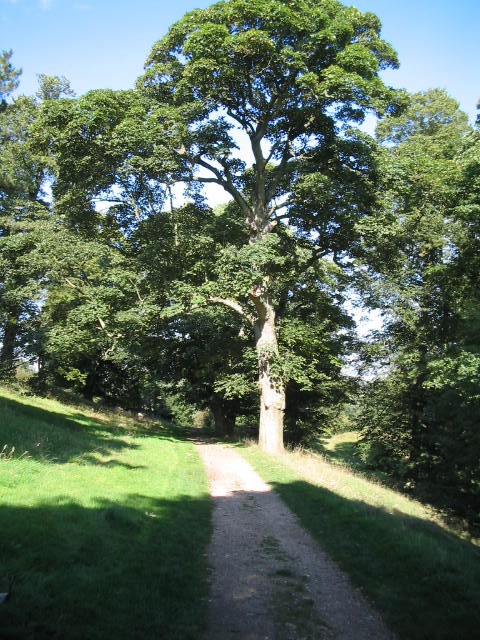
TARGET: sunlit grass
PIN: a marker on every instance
(104, 523)
(340, 447)
(424, 577)
(353, 486)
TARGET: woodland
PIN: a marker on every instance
(119, 282)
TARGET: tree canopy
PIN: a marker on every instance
(118, 281)
(294, 78)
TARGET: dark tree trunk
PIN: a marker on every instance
(9, 340)
(224, 417)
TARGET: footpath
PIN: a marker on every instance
(270, 579)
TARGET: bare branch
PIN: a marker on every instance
(210, 167)
(225, 180)
(70, 283)
(204, 179)
(285, 216)
(136, 290)
(279, 171)
(231, 304)
(75, 286)
(246, 124)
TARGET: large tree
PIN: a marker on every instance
(287, 81)
(420, 417)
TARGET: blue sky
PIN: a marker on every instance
(104, 43)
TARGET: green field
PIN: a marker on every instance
(103, 524)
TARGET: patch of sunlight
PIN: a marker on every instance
(82, 415)
(347, 437)
(347, 484)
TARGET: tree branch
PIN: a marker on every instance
(204, 179)
(231, 304)
(75, 286)
(226, 182)
(136, 290)
(279, 170)
(241, 121)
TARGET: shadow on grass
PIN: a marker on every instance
(424, 580)
(137, 568)
(455, 505)
(116, 570)
(60, 438)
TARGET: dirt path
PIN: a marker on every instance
(270, 579)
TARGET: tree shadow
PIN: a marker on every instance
(425, 580)
(59, 438)
(112, 570)
(460, 510)
(137, 567)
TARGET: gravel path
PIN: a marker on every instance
(270, 579)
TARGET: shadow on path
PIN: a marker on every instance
(270, 578)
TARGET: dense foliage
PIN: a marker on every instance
(119, 282)
(421, 418)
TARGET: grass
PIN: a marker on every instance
(420, 574)
(340, 448)
(104, 523)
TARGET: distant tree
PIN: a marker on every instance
(84, 321)
(467, 212)
(24, 220)
(315, 335)
(9, 77)
(101, 308)
(53, 88)
(199, 353)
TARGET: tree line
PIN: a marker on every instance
(118, 280)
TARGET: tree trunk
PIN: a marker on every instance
(90, 387)
(7, 354)
(229, 421)
(272, 388)
(224, 418)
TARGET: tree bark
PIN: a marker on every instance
(272, 388)
(7, 353)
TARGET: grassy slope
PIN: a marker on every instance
(424, 578)
(103, 523)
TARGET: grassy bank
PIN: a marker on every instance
(104, 523)
(423, 577)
